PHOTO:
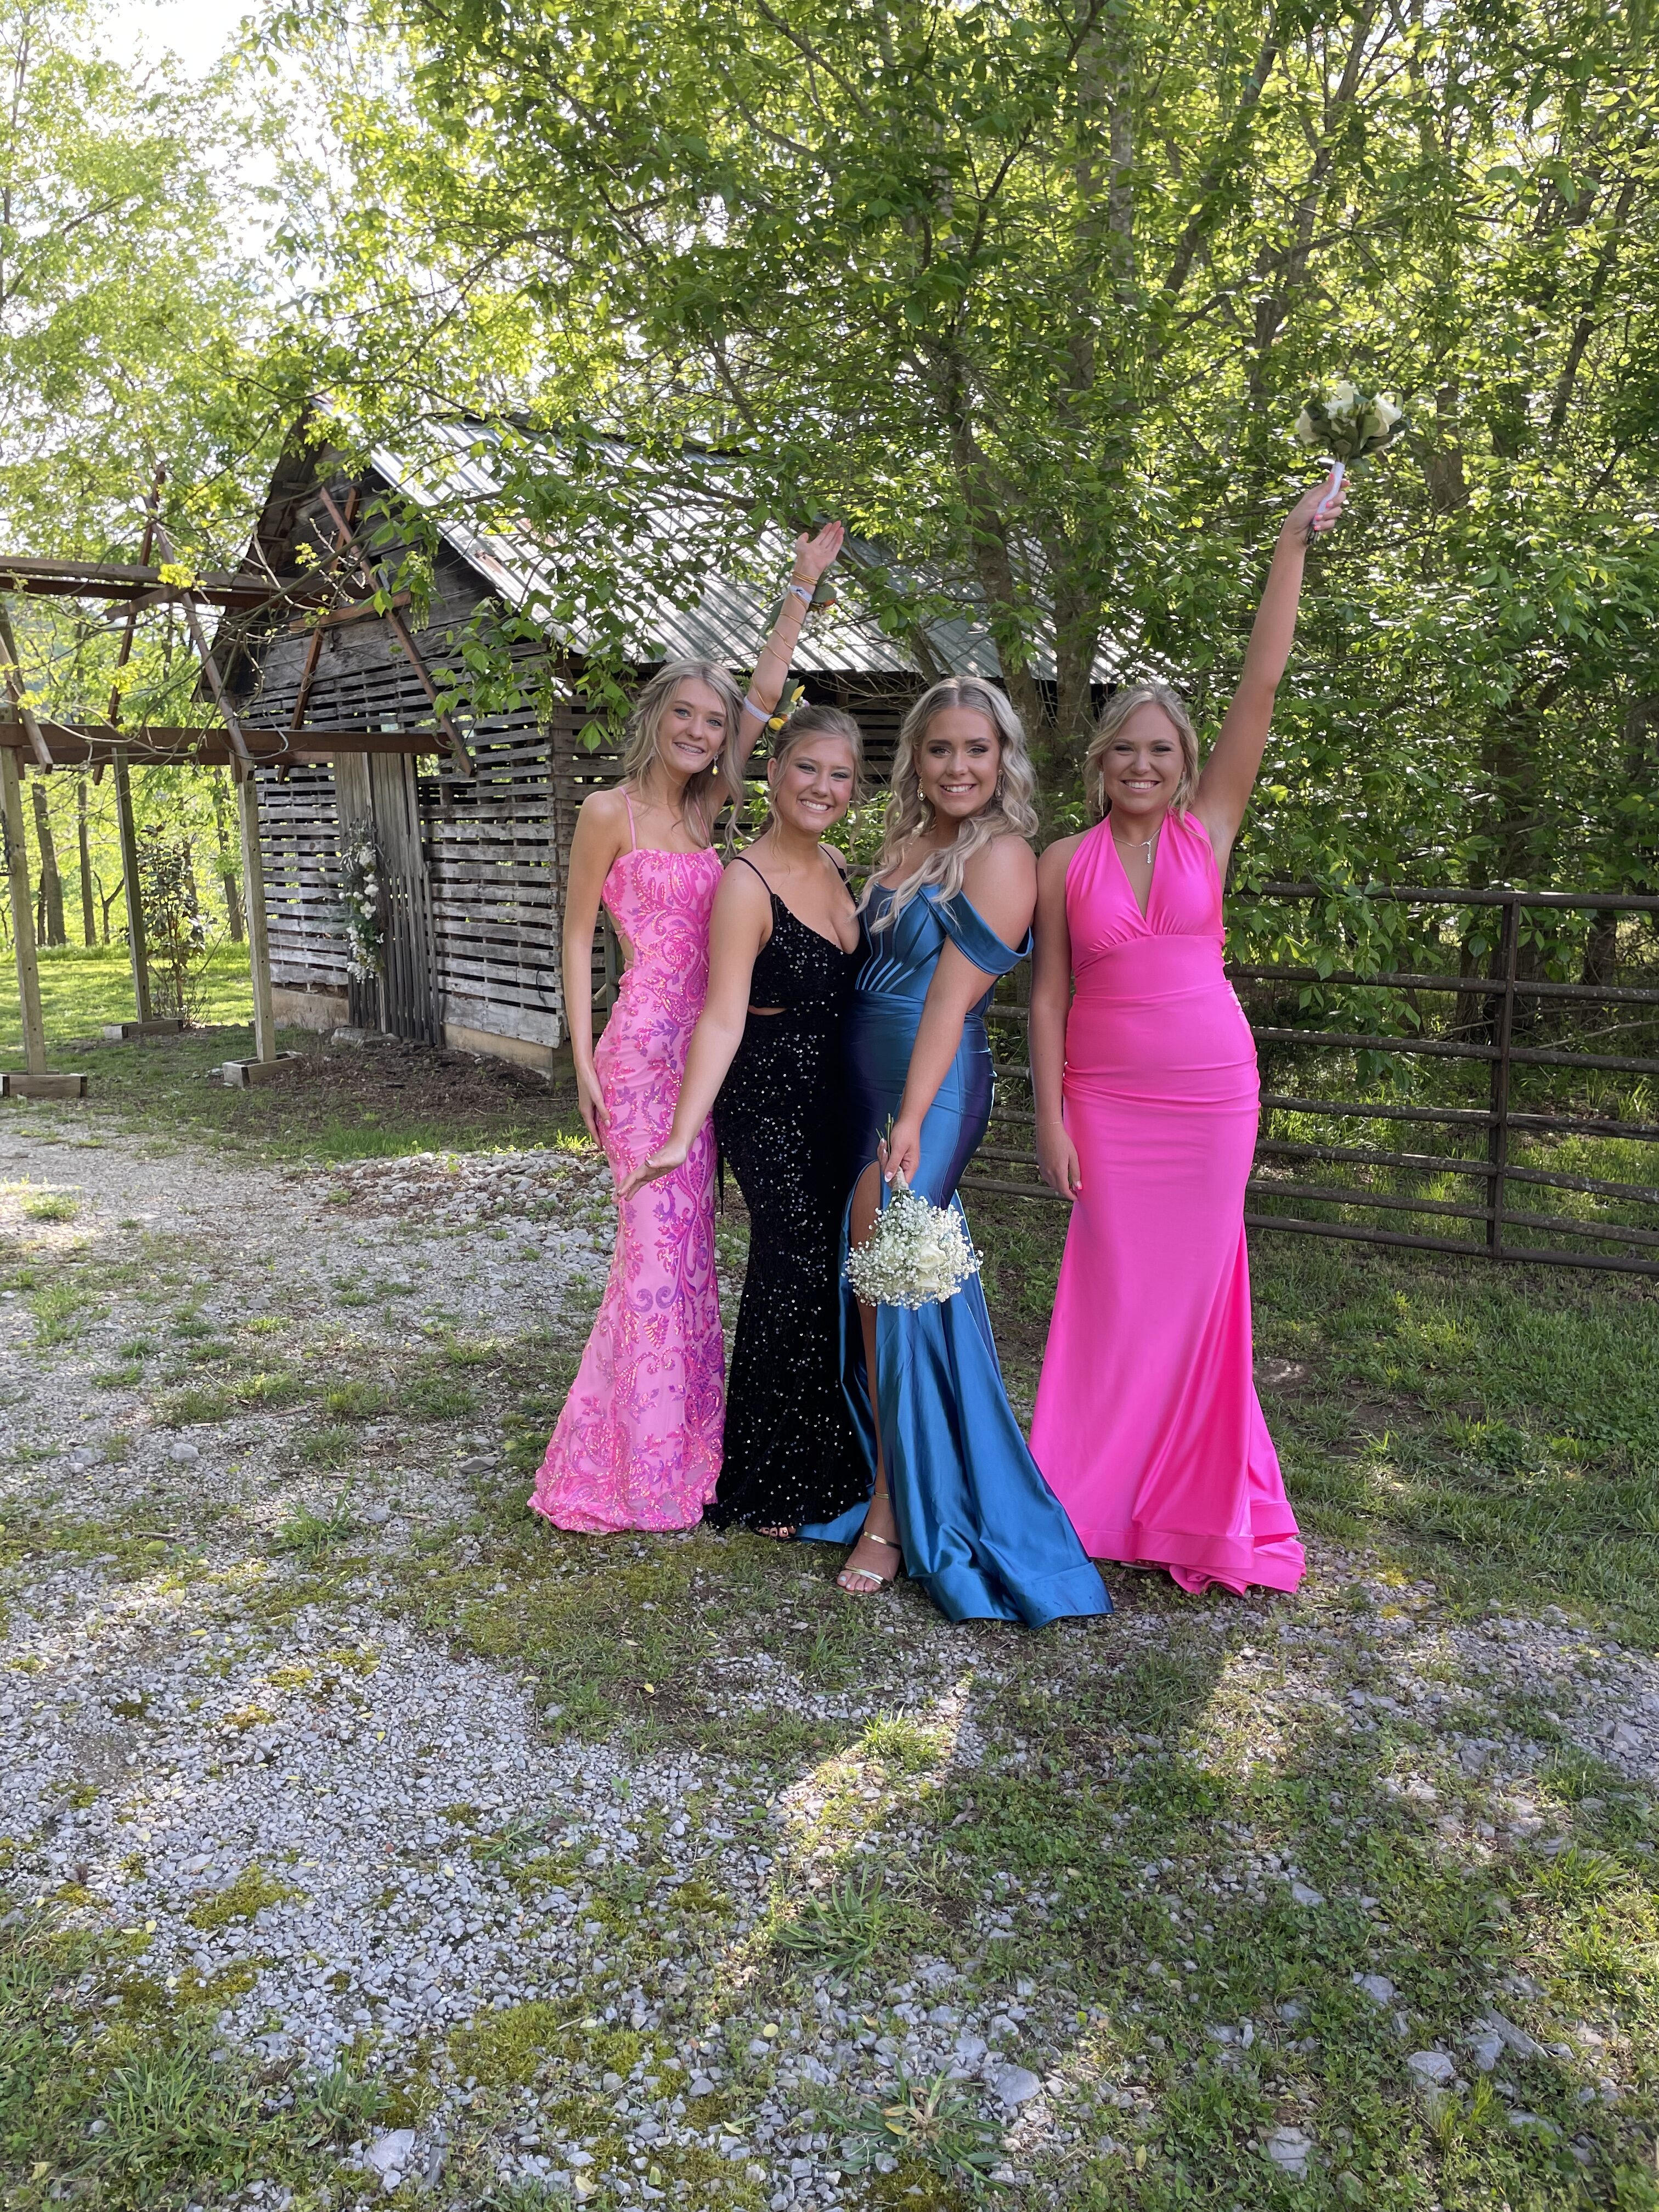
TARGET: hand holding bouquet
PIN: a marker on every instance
(918, 1255)
(1347, 423)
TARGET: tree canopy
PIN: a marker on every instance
(1032, 292)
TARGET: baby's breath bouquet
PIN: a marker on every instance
(919, 1256)
(1348, 423)
(359, 905)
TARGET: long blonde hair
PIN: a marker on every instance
(1112, 715)
(718, 786)
(1010, 811)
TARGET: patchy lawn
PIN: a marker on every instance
(364, 1839)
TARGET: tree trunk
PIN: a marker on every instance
(52, 884)
(89, 914)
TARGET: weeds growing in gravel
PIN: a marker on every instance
(59, 1312)
(102, 2109)
(332, 1445)
(932, 2125)
(308, 1536)
(434, 1395)
(849, 1926)
(52, 1206)
(355, 1401)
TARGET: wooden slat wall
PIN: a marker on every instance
(576, 773)
(493, 864)
(301, 849)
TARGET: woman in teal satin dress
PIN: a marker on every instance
(955, 1494)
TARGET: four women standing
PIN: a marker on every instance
(890, 1427)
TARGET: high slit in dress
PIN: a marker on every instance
(1147, 1422)
(978, 1525)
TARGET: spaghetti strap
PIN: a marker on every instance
(633, 836)
(750, 865)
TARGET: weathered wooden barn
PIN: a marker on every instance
(474, 862)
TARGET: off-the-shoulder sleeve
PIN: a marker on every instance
(973, 937)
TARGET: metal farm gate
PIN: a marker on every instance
(1474, 1090)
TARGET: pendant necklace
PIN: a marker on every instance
(1144, 843)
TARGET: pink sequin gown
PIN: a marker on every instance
(638, 1444)
(1147, 1423)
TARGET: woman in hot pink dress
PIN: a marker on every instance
(638, 1444)
(1147, 1425)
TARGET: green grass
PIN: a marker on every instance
(83, 988)
(1497, 1428)
(1455, 1437)
(52, 1206)
(355, 1400)
(855, 1920)
(339, 1105)
(132, 2104)
(308, 1535)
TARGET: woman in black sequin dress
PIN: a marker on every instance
(767, 1056)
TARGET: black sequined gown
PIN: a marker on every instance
(790, 1455)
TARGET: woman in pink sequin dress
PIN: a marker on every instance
(1147, 1425)
(638, 1444)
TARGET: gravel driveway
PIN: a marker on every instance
(229, 1732)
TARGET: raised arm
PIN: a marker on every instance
(601, 834)
(813, 556)
(737, 930)
(1230, 773)
(1002, 885)
(1051, 1002)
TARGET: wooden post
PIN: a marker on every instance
(83, 838)
(253, 908)
(138, 943)
(22, 914)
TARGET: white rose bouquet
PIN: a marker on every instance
(1348, 423)
(919, 1254)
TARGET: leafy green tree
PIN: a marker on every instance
(1032, 294)
(136, 313)
(131, 311)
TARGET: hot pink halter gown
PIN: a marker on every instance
(1147, 1423)
(638, 1444)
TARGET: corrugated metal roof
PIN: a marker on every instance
(727, 621)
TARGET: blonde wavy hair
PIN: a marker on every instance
(1114, 713)
(719, 785)
(1010, 810)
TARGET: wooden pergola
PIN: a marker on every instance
(345, 590)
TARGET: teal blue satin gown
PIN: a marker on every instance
(979, 1527)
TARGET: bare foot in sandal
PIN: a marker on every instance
(781, 1536)
(876, 1559)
